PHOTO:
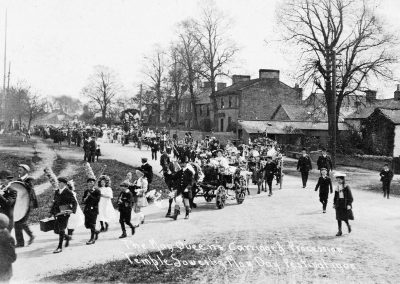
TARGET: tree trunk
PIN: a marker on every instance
(177, 110)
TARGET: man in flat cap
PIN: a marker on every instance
(21, 225)
(64, 204)
(8, 197)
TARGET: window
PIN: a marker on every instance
(208, 110)
(229, 120)
(222, 125)
(222, 103)
(230, 101)
(201, 109)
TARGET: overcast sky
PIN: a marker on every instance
(53, 45)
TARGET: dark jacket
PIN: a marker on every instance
(66, 198)
(91, 200)
(183, 179)
(269, 169)
(147, 171)
(324, 185)
(7, 253)
(386, 176)
(164, 160)
(324, 162)
(348, 197)
(125, 201)
(304, 164)
(7, 202)
(92, 146)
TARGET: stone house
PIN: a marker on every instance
(251, 99)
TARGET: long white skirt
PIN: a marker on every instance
(106, 210)
(76, 220)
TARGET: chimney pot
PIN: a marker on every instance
(269, 74)
(240, 78)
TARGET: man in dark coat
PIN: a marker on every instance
(147, 170)
(325, 186)
(386, 178)
(21, 225)
(183, 182)
(92, 149)
(7, 250)
(64, 204)
(324, 161)
(269, 172)
(91, 198)
(304, 165)
(7, 198)
(86, 149)
(154, 146)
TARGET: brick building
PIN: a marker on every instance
(251, 99)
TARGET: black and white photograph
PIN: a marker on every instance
(199, 141)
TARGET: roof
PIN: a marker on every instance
(392, 114)
(368, 110)
(280, 127)
(202, 96)
(238, 86)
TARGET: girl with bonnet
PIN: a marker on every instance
(342, 202)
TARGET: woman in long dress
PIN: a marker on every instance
(106, 209)
(140, 201)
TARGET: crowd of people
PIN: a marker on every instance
(186, 165)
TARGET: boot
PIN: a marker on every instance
(102, 226)
(67, 239)
(248, 191)
(176, 213)
(187, 212)
(349, 228)
(106, 228)
(168, 213)
(123, 235)
(133, 230)
(96, 235)
(339, 234)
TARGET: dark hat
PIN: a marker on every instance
(90, 179)
(183, 159)
(324, 149)
(269, 157)
(323, 169)
(144, 160)
(5, 174)
(62, 179)
(304, 149)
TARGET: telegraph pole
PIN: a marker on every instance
(140, 102)
(9, 75)
(3, 114)
(334, 118)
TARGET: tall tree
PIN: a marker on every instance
(348, 28)
(35, 107)
(190, 57)
(16, 102)
(102, 88)
(155, 71)
(217, 48)
(176, 79)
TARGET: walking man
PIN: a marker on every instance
(304, 166)
(386, 178)
(325, 186)
(269, 172)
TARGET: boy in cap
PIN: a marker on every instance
(125, 204)
(324, 161)
(7, 250)
(21, 225)
(325, 186)
(8, 197)
(64, 204)
(91, 198)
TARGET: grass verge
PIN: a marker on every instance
(114, 169)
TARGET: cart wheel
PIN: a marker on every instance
(220, 197)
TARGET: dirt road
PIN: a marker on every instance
(292, 214)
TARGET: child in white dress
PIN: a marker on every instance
(106, 209)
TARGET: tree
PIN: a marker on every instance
(35, 107)
(67, 103)
(218, 50)
(102, 88)
(16, 103)
(155, 70)
(323, 28)
(176, 79)
(190, 58)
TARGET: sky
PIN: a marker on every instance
(53, 45)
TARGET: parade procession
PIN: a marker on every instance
(186, 141)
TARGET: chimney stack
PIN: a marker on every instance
(240, 78)
(397, 93)
(269, 74)
(370, 96)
